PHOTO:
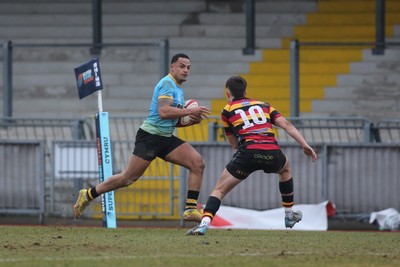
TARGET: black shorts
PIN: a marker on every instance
(149, 146)
(246, 161)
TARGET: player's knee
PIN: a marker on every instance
(198, 165)
(285, 173)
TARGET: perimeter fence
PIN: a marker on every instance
(357, 159)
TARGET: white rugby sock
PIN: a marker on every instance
(205, 221)
(288, 212)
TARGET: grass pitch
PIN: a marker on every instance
(43, 246)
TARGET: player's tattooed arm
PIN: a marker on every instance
(163, 101)
(166, 110)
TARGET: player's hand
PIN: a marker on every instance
(310, 152)
(195, 119)
(201, 112)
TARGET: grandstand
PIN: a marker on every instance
(334, 81)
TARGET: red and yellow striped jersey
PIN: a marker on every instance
(251, 122)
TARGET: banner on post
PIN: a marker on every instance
(105, 168)
(88, 78)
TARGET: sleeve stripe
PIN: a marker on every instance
(165, 96)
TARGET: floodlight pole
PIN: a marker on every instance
(7, 79)
(250, 28)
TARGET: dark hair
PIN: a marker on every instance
(177, 56)
(236, 85)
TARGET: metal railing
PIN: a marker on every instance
(346, 174)
(75, 167)
(341, 143)
(22, 179)
(387, 131)
(123, 128)
(325, 130)
(45, 129)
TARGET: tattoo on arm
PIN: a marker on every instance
(164, 102)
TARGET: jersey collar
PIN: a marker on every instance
(170, 75)
(239, 98)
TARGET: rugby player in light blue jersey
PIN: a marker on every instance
(155, 139)
(167, 89)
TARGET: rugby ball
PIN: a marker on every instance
(191, 103)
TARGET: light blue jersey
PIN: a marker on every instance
(167, 87)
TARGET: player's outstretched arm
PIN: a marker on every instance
(296, 135)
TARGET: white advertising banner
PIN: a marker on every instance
(314, 218)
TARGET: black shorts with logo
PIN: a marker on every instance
(149, 146)
(246, 161)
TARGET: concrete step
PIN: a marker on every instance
(33, 85)
(389, 108)
(224, 55)
(301, 6)
(332, 55)
(60, 80)
(395, 40)
(228, 31)
(132, 54)
(262, 6)
(283, 92)
(391, 54)
(129, 19)
(376, 92)
(376, 67)
(33, 77)
(73, 107)
(348, 42)
(341, 31)
(396, 30)
(385, 79)
(67, 68)
(109, 32)
(284, 80)
(354, 19)
(145, 93)
(305, 67)
(63, 20)
(222, 43)
(239, 19)
(107, 7)
(46, 7)
(314, 55)
(151, 19)
(359, 6)
(174, 42)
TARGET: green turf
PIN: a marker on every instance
(84, 246)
